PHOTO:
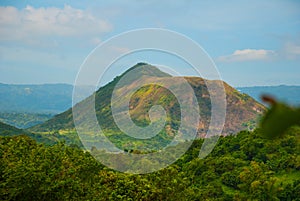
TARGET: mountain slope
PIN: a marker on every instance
(242, 110)
(8, 131)
(23, 120)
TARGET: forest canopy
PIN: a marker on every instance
(241, 167)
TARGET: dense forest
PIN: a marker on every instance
(241, 167)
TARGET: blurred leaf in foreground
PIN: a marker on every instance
(278, 118)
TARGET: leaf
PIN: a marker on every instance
(278, 119)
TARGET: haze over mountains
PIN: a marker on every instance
(44, 98)
(56, 98)
(288, 94)
(24, 106)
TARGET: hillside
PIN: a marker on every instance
(48, 139)
(7, 130)
(23, 120)
(242, 110)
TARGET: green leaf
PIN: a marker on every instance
(278, 119)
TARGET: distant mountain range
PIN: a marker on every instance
(288, 94)
(45, 98)
(57, 98)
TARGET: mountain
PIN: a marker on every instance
(288, 94)
(242, 110)
(50, 98)
(24, 106)
(44, 98)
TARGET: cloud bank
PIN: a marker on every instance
(31, 22)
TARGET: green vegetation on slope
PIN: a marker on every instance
(241, 167)
(8, 130)
(46, 138)
(23, 120)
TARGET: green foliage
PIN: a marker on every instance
(46, 138)
(241, 167)
(278, 119)
(23, 120)
(32, 171)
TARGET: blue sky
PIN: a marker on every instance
(252, 43)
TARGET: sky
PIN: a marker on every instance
(252, 43)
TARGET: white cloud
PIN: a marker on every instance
(33, 22)
(288, 51)
(291, 50)
(248, 55)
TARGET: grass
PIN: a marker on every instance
(288, 177)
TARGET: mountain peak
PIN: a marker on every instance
(139, 70)
(145, 69)
(141, 64)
